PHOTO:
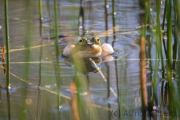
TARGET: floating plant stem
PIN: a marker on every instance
(7, 57)
(57, 67)
(102, 75)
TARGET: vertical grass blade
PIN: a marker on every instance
(7, 43)
(169, 33)
(57, 67)
(7, 57)
(159, 35)
(176, 6)
(40, 16)
(113, 21)
(106, 40)
(27, 53)
(163, 25)
(40, 57)
(106, 19)
(169, 57)
(40, 32)
(81, 19)
(177, 30)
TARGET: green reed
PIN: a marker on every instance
(169, 33)
(40, 32)
(106, 18)
(113, 21)
(7, 57)
(7, 43)
(40, 16)
(27, 53)
(80, 82)
(57, 66)
(159, 52)
(163, 26)
(159, 35)
(171, 51)
(40, 9)
(170, 56)
(177, 30)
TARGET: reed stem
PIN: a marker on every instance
(27, 53)
(40, 16)
(146, 6)
(81, 19)
(113, 22)
(169, 33)
(159, 35)
(169, 56)
(40, 32)
(163, 25)
(7, 57)
(7, 43)
(57, 66)
(106, 19)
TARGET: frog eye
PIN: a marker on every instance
(81, 42)
(97, 41)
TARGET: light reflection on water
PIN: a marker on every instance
(127, 64)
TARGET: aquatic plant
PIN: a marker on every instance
(7, 67)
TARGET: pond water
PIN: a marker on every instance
(123, 73)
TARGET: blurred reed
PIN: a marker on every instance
(170, 50)
(56, 45)
(146, 6)
(27, 53)
(7, 43)
(171, 91)
(40, 58)
(40, 16)
(40, 32)
(177, 38)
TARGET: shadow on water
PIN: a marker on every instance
(106, 87)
